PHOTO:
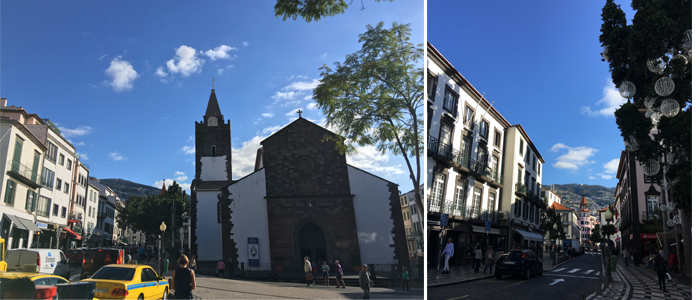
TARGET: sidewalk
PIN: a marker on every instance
(461, 273)
(641, 283)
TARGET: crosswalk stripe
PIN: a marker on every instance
(588, 272)
(597, 273)
(558, 270)
(573, 270)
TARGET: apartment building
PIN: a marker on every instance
(585, 222)
(412, 224)
(464, 162)
(569, 219)
(77, 216)
(550, 196)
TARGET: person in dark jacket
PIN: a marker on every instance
(661, 270)
(364, 280)
(183, 280)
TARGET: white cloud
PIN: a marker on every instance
(575, 157)
(79, 131)
(308, 97)
(122, 75)
(267, 115)
(83, 156)
(185, 61)
(244, 158)
(611, 102)
(191, 138)
(160, 72)
(220, 71)
(115, 156)
(189, 149)
(179, 173)
(79, 144)
(606, 176)
(592, 177)
(219, 52)
(229, 66)
(311, 106)
(245, 44)
(612, 166)
(103, 56)
(324, 55)
(271, 130)
(368, 158)
(296, 77)
(284, 96)
(302, 85)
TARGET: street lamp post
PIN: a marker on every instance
(162, 227)
(608, 216)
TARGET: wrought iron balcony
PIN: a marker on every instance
(521, 189)
(434, 204)
(461, 159)
(440, 150)
(75, 216)
(468, 212)
(24, 173)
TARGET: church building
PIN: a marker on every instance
(302, 199)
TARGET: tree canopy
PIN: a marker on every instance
(146, 213)
(312, 10)
(658, 32)
(375, 97)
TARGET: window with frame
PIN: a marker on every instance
(67, 188)
(10, 191)
(47, 178)
(466, 147)
(519, 176)
(477, 201)
(445, 147)
(539, 169)
(450, 101)
(61, 159)
(526, 158)
(43, 207)
(59, 184)
(494, 163)
(459, 197)
(491, 201)
(521, 147)
(30, 204)
(652, 205)
(484, 129)
(432, 86)
(469, 116)
(496, 138)
(17, 156)
(55, 209)
(69, 165)
(438, 192)
(63, 212)
(52, 152)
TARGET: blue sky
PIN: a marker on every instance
(126, 80)
(540, 63)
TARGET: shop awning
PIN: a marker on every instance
(77, 236)
(479, 229)
(529, 235)
(23, 224)
(73, 221)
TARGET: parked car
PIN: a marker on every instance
(76, 255)
(44, 261)
(96, 258)
(518, 262)
(129, 281)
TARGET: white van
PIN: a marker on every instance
(48, 261)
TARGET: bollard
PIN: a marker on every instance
(242, 269)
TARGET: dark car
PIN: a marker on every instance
(96, 258)
(76, 255)
(518, 262)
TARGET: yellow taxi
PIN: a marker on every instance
(126, 281)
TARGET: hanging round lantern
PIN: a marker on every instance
(687, 40)
(631, 144)
(671, 158)
(670, 206)
(605, 53)
(649, 102)
(627, 89)
(679, 56)
(651, 168)
(670, 223)
(670, 107)
(648, 113)
(656, 65)
(677, 219)
(664, 86)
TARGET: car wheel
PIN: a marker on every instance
(526, 274)
(140, 297)
(166, 293)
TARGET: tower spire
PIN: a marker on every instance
(213, 107)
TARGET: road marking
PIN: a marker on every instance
(573, 270)
(556, 281)
(514, 283)
(574, 276)
(458, 297)
(588, 272)
(558, 270)
(597, 273)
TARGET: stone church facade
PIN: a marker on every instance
(302, 199)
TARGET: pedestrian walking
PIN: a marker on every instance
(308, 271)
(183, 279)
(339, 275)
(448, 252)
(490, 259)
(673, 262)
(477, 258)
(661, 270)
(221, 268)
(636, 257)
(404, 279)
(325, 272)
(230, 267)
(365, 282)
(626, 255)
(192, 264)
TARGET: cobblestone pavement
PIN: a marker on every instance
(221, 288)
(641, 283)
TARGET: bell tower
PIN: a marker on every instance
(213, 145)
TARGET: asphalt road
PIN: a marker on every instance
(577, 277)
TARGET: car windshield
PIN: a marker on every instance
(511, 255)
(112, 273)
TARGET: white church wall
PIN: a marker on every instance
(208, 230)
(250, 216)
(372, 216)
(213, 168)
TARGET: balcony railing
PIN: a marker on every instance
(75, 216)
(484, 170)
(27, 174)
(466, 212)
(434, 204)
(521, 188)
(460, 158)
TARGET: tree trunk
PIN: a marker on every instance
(686, 235)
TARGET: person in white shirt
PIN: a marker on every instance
(448, 252)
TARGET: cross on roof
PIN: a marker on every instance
(213, 82)
(299, 112)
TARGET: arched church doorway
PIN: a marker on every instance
(313, 243)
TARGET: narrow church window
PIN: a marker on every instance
(219, 206)
(212, 150)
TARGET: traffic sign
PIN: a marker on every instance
(488, 226)
(444, 220)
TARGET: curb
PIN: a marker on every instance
(457, 282)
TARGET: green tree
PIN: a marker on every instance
(147, 213)
(596, 236)
(312, 10)
(376, 96)
(549, 218)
